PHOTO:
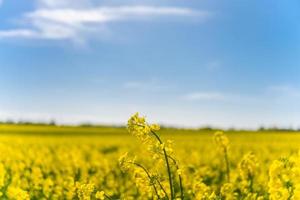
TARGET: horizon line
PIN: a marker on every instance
(53, 122)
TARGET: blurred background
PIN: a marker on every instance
(182, 63)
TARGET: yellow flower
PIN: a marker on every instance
(17, 193)
(248, 166)
(154, 127)
(138, 127)
(280, 183)
(221, 140)
(2, 175)
(100, 195)
(179, 172)
(227, 191)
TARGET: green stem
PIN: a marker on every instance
(227, 165)
(108, 197)
(251, 183)
(179, 177)
(167, 163)
(162, 188)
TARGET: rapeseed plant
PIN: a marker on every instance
(160, 150)
(247, 168)
(223, 145)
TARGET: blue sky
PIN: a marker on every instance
(186, 63)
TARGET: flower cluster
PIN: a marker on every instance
(248, 166)
(221, 140)
(284, 182)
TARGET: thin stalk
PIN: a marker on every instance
(162, 188)
(181, 187)
(227, 165)
(108, 197)
(167, 163)
(179, 177)
(251, 183)
(146, 171)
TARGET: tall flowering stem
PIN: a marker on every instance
(223, 144)
(227, 165)
(248, 167)
(148, 134)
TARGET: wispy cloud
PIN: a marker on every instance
(204, 96)
(58, 20)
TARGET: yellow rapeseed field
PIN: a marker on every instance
(144, 162)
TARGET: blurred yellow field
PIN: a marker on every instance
(48, 162)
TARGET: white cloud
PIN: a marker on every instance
(64, 20)
(107, 14)
(18, 33)
(204, 96)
